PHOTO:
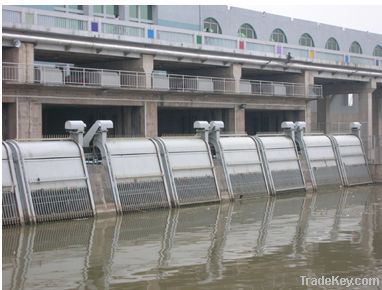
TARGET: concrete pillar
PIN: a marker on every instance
(377, 126)
(144, 64)
(236, 120)
(24, 56)
(29, 119)
(234, 71)
(365, 116)
(323, 114)
(150, 119)
(307, 79)
(9, 121)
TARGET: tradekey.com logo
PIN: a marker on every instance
(338, 281)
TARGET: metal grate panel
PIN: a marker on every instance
(60, 204)
(287, 180)
(10, 212)
(248, 185)
(143, 194)
(196, 189)
(327, 175)
(358, 174)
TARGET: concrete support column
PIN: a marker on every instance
(377, 125)
(307, 79)
(24, 56)
(236, 75)
(9, 121)
(365, 116)
(236, 120)
(232, 72)
(323, 114)
(29, 119)
(144, 64)
(150, 113)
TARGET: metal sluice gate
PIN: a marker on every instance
(48, 180)
(190, 170)
(52, 181)
(136, 173)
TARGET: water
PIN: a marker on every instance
(265, 243)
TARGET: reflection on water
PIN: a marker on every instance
(259, 244)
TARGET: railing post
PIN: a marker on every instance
(83, 77)
(183, 83)
(293, 90)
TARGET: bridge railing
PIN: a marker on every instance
(67, 75)
(74, 24)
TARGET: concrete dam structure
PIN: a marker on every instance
(91, 174)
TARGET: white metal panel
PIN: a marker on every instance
(53, 169)
(188, 157)
(135, 165)
(52, 164)
(237, 143)
(345, 140)
(110, 79)
(49, 149)
(6, 170)
(184, 145)
(350, 150)
(353, 161)
(240, 155)
(130, 146)
(276, 142)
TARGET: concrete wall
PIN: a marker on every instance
(264, 23)
(231, 18)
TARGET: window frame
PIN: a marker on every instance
(355, 44)
(211, 21)
(139, 13)
(247, 27)
(377, 51)
(67, 9)
(307, 38)
(278, 31)
(106, 15)
(336, 43)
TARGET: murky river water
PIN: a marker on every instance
(255, 244)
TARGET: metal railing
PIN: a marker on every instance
(65, 75)
(62, 22)
(47, 20)
(36, 19)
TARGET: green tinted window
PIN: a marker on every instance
(98, 9)
(133, 11)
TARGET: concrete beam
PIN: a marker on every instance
(346, 87)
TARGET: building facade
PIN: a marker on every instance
(154, 70)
